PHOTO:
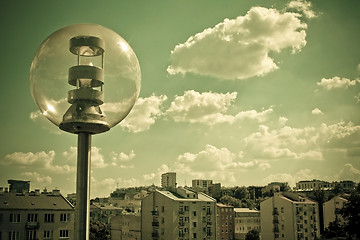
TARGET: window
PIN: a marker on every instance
(30, 235)
(64, 217)
(32, 217)
(64, 233)
(194, 224)
(14, 235)
(194, 235)
(49, 217)
(14, 218)
(194, 213)
(48, 234)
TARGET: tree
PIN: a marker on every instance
(252, 235)
(284, 187)
(99, 231)
(351, 213)
(335, 229)
(241, 193)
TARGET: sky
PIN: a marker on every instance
(241, 92)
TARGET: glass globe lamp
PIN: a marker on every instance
(85, 78)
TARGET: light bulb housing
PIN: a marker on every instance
(85, 78)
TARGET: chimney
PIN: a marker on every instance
(37, 192)
(56, 192)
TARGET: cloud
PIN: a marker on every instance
(36, 178)
(239, 48)
(316, 111)
(337, 82)
(118, 158)
(291, 179)
(209, 108)
(348, 172)
(143, 114)
(303, 7)
(213, 162)
(97, 159)
(40, 160)
(284, 143)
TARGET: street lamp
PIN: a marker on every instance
(101, 76)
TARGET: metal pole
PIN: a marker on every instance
(82, 208)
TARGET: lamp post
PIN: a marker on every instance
(73, 60)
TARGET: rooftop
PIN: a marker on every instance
(32, 201)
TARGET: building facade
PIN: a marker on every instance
(331, 210)
(179, 214)
(289, 216)
(225, 222)
(246, 220)
(35, 215)
(168, 180)
(126, 227)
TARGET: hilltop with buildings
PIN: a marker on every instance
(204, 210)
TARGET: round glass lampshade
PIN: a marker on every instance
(85, 78)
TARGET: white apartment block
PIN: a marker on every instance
(289, 216)
(36, 215)
(246, 220)
(331, 210)
(168, 180)
(180, 214)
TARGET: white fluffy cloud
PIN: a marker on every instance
(239, 48)
(97, 159)
(213, 162)
(143, 114)
(337, 82)
(36, 178)
(210, 108)
(291, 179)
(349, 173)
(284, 143)
(316, 111)
(119, 158)
(303, 7)
(40, 159)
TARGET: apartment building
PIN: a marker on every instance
(289, 216)
(168, 180)
(246, 220)
(225, 222)
(126, 226)
(318, 184)
(104, 212)
(331, 210)
(35, 215)
(178, 214)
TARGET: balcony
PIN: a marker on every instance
(155, 234)
(154, 212)
(32, 225)
(276, 221)
(155, 224)
(208, 223)
(275, 212)
(275, 229)
(181, 212)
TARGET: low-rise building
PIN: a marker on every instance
(225, 222)
(126, 226)
(331, 210)
(246, 220)
(104, 212)
(36, 215)
(178, 214)
(289, 216)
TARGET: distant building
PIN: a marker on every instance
(331, 210)
(36, 215)
(19, 186)
(168, 180)
(312, 185)
(201, 184)
(271, 188)
(214, 190)
(178, 214)
(104, 212)
(126, 226)
(323, 185)
(246, 220)
(289, 216)
(225, 222)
